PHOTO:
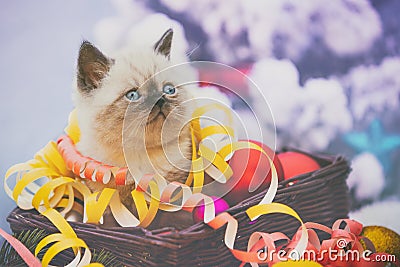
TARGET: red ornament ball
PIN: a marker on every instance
(295, 163)
(220, 206)
(251, 172)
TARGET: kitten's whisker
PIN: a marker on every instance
(134, 125)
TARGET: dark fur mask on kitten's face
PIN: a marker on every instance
(123, 101)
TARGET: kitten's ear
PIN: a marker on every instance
(93, 66)
(163, 46)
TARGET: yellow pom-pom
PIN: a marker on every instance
(384, 239)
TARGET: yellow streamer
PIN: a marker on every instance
(151, 194)
(255, 211)
(43, 193)
(73, 129)
(147, 214)
(95, 208)
(61, 245)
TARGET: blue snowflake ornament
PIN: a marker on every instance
(374, 141)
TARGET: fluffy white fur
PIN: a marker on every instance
(132, 68)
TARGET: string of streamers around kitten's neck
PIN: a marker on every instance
(59, 163)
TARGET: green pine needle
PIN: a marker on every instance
(105, 257)
(30, 238)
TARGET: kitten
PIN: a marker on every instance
(123, 112)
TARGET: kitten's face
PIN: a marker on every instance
(131, 94)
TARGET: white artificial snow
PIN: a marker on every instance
(278, 81)
(367, 177)
(150, 29)
(374, 88)
(346, 27)
(308, 116)
(135, 24)
(210, 95)
(110, 32)
(384, 213)
(349, 26)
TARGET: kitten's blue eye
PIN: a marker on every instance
(132, 95)
(169, 89)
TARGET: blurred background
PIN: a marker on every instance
(330, 71)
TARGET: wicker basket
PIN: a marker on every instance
(321, 196)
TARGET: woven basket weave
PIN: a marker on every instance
(320, 196)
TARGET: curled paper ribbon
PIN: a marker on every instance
(86, 167)
(48, 164)
(341, 242)
(59, 164)
(62, 166)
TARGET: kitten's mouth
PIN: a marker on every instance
(157, 116)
